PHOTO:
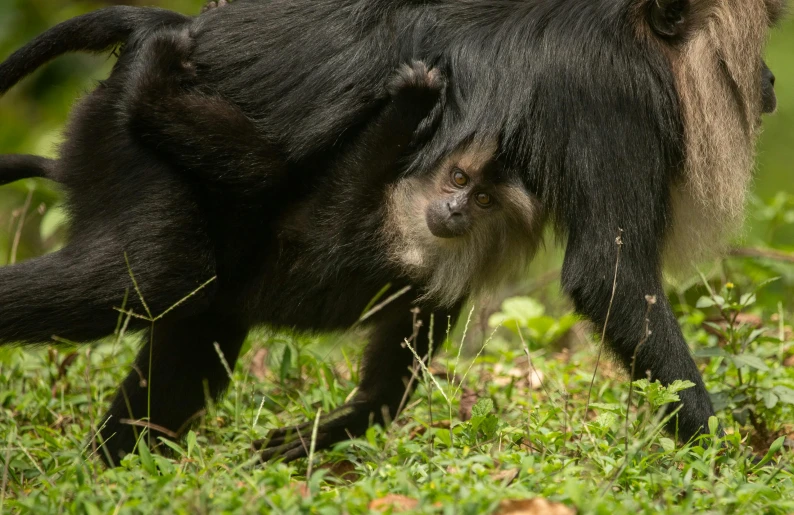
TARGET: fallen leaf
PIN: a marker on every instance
(507, 476)
(258, 366)
(536, 506)
(467, 401)
(397, 503)
(789, 361)
(420, 430)
(301, 488)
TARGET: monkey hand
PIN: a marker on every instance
(416, 86)
(291, 443)
(214, 5)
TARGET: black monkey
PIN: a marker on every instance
(298, 272)
(631, 115)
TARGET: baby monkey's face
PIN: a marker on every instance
(469, 193)
(464, 193)
(464, 226)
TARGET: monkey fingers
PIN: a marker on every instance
(214, 5)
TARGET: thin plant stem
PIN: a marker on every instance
(619, 243)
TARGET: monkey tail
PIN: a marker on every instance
(14, 167)
(97, 31)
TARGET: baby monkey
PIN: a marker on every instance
(462, 227)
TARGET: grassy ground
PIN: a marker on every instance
(501, 427)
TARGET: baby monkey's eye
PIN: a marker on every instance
(483, 199)
(459, 178)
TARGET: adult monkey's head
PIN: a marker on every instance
(715, 49)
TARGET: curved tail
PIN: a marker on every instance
(14, 167)
(97, 31)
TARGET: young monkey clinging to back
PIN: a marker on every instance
(464, 225)
(447, 232)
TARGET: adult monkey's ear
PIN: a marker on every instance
(667, 18)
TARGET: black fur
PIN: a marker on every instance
(586, 113)
(98, 31)
(281, 277)
(14, 167)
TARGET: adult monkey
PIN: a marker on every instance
(632, 115)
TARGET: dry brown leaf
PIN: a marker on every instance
(536, 506)
(519, 372)
(789, 361)
(258, 366)
(420, 430)
(301, 488)
(467, 401)
(397, 503)
(507, 476)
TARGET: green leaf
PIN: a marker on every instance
(517, 310)
(705, 302)
(748, 299)
(191, 442)
(146, 456)
(770, 399)
(714, 425)
(776, 446)
(483, 408)
(173, 446)
(678, 385)
(784, 394)
(444, 437)
(614, 408)
(711, 352)
(773, 449)
(606, 420)
(286, 363)
(489, 426)
(53, 219)
(667, 444)
(750, 361)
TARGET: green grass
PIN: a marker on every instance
(520, 443)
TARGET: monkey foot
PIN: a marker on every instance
(291, 443)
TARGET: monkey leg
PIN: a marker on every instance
(14, 167)
(661, 354)
(206, 134)
(386, 385)
(147, 243)
(185, 369)
(74, 294)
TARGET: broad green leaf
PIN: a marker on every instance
(704, 302)
(748, 360)
(667, 444)
(784, 394)
(482, 408)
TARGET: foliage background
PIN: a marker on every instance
(49, 398)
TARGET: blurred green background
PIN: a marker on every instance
(32, 116)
